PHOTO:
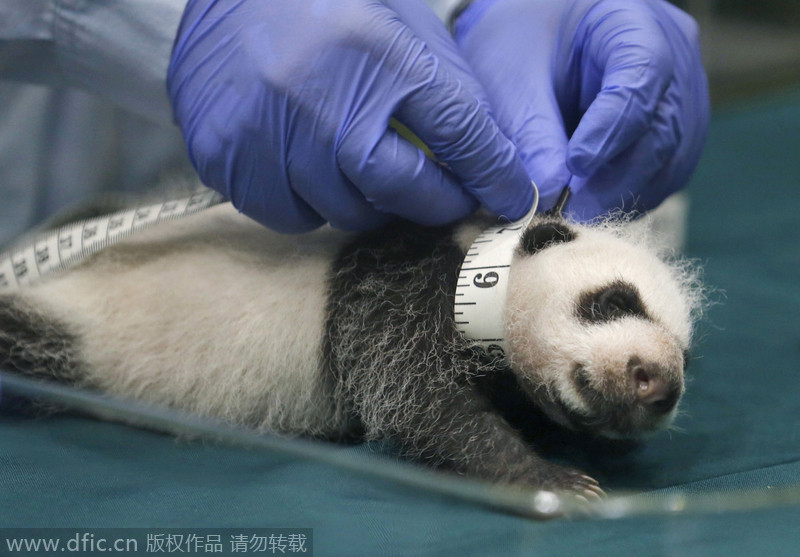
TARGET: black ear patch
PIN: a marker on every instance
(544, 235)
(618, 299)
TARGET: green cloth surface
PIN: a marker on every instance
(739, 429)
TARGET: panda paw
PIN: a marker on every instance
(563, 492)
(569, 481)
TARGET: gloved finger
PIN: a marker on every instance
(338, 201)
(683, 21)
(423, 21)
(638, 178)
(515, 66)
(449, 120)
(269, 201)
(542, 142)
(395, 176)
(637, 68)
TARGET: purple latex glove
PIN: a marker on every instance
(284, 106)
(609, 96)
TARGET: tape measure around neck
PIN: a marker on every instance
(483, 285)
(57, 250)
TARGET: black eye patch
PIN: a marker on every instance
(618, 299)
(542, 236)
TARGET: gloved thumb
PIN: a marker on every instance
(521, 91)
(542, 143)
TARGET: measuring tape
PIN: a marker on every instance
(480, 292)
(483, 284)
(65, 247)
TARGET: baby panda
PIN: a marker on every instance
(336, 335)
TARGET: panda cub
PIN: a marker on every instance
(336, 335)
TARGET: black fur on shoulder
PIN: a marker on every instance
(407, 374)
(389, 315)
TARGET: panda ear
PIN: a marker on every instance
(549, 233)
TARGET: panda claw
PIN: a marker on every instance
(594, 494)
(582, 504)
(592, 487)
(586, 489)
(599, 490)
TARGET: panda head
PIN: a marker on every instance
(598, 326)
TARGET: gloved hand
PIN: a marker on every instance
(284, 106)
(609, 96)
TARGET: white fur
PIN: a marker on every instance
(241, 315)
(548, 339)
(240, 320)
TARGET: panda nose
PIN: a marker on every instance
(653, 387)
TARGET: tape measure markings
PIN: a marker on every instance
(485, 267)
(482, 285)
(65, 247)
